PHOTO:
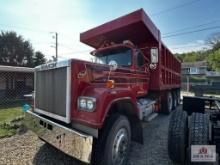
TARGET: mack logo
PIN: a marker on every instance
(49, 66)
(82, 74)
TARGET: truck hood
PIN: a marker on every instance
(99, 73)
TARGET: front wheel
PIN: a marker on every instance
(113, 146)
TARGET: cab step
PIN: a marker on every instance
(150, 117)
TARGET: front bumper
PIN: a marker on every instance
(65, 139)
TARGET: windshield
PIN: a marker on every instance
(121, 56)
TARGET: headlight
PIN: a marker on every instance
(82, 103)
(86, 103)
(90, 104)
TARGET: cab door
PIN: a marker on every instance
(142, 73)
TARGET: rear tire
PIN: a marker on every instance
(113, 145)
(167, 103)
(178, 96)
(177, 136)
(174, 95)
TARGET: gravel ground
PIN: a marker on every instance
(28, 149)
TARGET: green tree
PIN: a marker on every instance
(39, 58)
(179, 56)
(14, 50)
(214, 41)
(190, 57)
(214, 60)
(212, 55)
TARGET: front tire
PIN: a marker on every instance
(113, 145)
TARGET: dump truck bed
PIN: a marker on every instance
(136, 27)
(140, 30)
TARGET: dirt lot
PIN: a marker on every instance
(28, 149)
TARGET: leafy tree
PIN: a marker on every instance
(214, 60)
(16, 51)
(214, 41)
(39, 58)
(212, 56)
(179, 56)
(191, 57)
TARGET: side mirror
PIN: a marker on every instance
(154, 55)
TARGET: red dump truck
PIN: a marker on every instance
(93, 110)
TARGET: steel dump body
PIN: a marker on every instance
(140, 30)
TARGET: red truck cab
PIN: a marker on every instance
(93, 110)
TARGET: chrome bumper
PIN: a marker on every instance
(65, 139)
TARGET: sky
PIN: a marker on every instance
(37, 20)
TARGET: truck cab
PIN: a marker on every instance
(130, 59)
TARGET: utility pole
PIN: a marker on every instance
(56, 35)
(56, 45)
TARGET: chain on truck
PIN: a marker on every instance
(93, 110)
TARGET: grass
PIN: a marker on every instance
(7, 132)
(10, 121)
(7, 115)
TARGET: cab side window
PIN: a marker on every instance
(140, 60)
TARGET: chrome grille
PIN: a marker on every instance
(51, 97)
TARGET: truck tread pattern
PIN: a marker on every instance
(177, 136)
(99, 144)
(199, 134)
(199, 129)
(165, 104)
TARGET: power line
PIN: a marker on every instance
(35, 30)
(25, 28)
(66, 46)
(168, 36)
(192, 27)
(189, 46)
(154, 14)
(62, 55)
(86, 51)
(190, 32)
(67, 36)
(174, 8)
(83, 51)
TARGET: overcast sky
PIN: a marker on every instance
(35, 19)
